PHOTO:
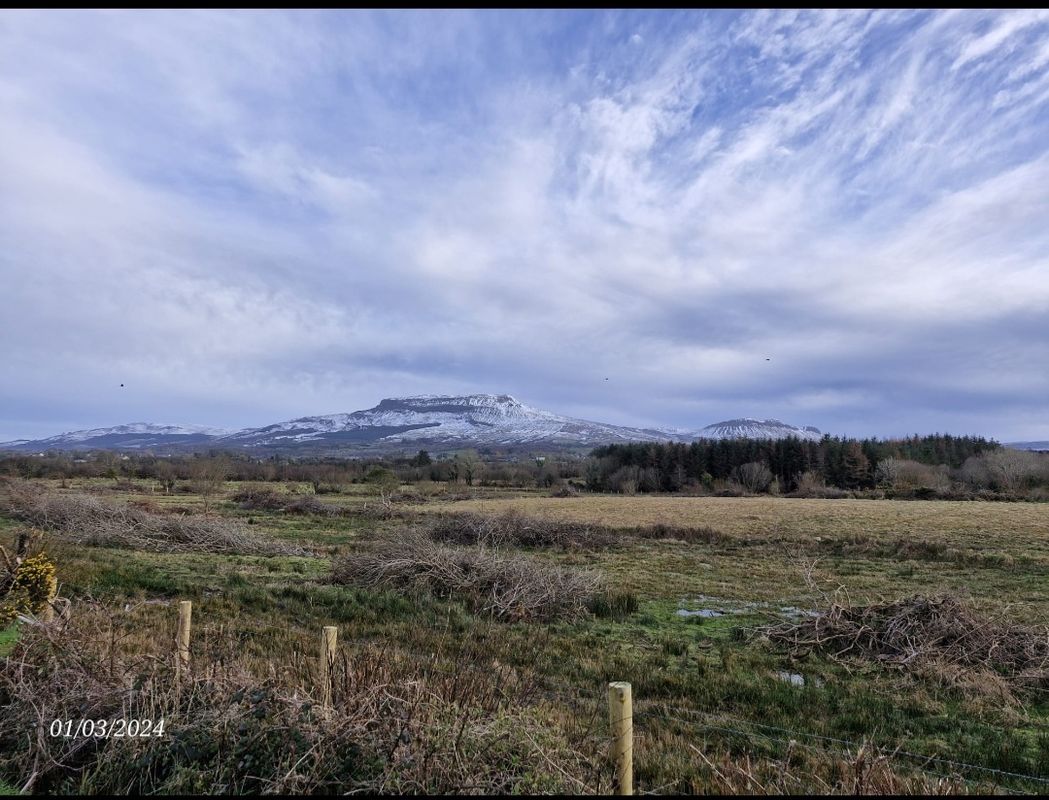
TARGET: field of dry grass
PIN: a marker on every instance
(1026, 525)
(770, 558)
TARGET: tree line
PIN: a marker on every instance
(794, 465)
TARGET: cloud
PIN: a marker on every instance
(249, 217)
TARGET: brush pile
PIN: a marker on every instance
(88, 520)
(503, 585)
(943, 633)
(514, 529)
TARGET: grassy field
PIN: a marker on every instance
(705, 687)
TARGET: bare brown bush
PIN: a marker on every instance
(940, 635)
(505, 586)
(88, 520)
(395, 725)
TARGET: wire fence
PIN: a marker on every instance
(717, 722)
(214, 641)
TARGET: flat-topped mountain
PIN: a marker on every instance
(438, 420)
(433, 422)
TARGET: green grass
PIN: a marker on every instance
(996, 553)
(8, 638)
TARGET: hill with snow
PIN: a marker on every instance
(747, 428)
(402, 424)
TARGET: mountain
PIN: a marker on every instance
(133, 436)
(441, 422)
(405, 424)
(1028, 445)
(748, 428)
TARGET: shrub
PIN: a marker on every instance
(755, 476)
(395, 725)
(32, 586)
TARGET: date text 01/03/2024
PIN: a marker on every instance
(106, 728)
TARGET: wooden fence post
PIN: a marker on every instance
(185, 613)
(328, 638)
(621, 715)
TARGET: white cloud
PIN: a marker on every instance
(262, 215)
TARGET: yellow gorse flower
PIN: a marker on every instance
(34, 586)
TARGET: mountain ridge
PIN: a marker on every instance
(434, 422)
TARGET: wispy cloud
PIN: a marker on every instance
(250, 216)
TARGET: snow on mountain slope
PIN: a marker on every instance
(747, 428)
(479, 419)
(401, 423)
(133, 436)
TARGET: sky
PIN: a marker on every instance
(837, 219)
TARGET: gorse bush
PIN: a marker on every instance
(33, 587)
(27, 583)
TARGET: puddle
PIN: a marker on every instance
(702, 612)
(797, 679)
(797, 613)
(706, 606)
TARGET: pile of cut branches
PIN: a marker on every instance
(942, 632)
(89, 520)
(503, 585)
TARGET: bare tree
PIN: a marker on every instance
(1013, 470)
(470, 466)
(754, 476)
(165, 474)
(209, 478)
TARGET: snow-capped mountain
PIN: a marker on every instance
(133, 436)
(403, 424)
(748, 428)
(436, 420)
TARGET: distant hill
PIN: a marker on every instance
(433, 422)
(133, 436)
(1043, 445)
(748, 428)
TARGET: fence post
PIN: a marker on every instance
(185, 613)
(621, 715)
(328, 638)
